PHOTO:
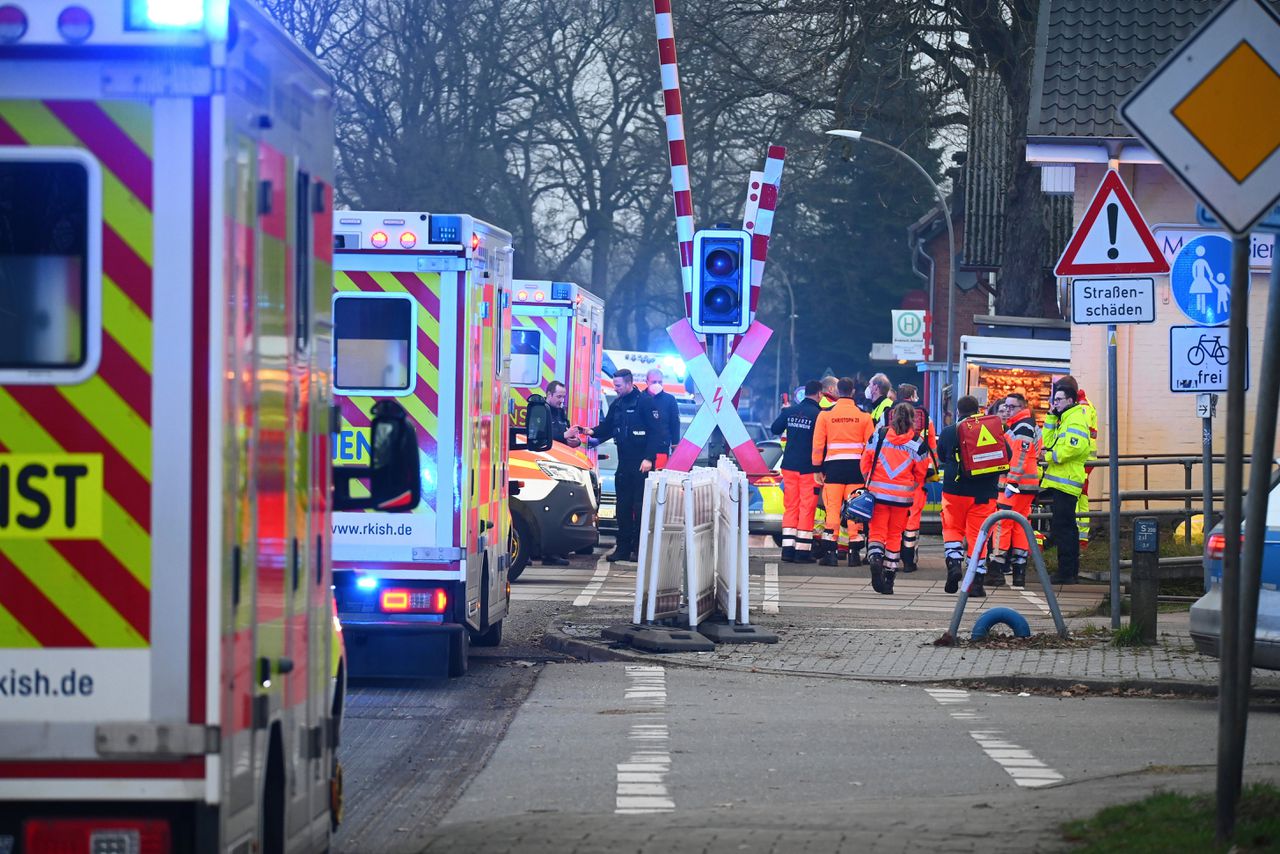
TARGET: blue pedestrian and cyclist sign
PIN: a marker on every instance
(1201, 279)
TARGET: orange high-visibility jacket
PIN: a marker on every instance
(841, 433)
(1024, 449)
(901, 469)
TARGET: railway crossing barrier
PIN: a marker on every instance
(693, 563)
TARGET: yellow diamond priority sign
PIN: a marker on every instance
(1209, 112)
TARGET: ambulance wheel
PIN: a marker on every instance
(459, 651)
(519, 547)
(490, 637)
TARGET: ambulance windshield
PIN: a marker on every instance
(374, 337)
(44, 214)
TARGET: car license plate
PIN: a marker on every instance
(607, 511)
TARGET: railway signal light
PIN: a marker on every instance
(722, 281)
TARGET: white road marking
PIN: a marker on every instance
(594, 585)
(642, 786)
(1035, 600)
(770, 603)
(1018, 762)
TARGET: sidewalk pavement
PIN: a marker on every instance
(866, 641)
(1016, 821)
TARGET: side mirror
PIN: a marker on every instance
(395, 484)
(538, 424)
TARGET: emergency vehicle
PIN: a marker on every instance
(557, 333)
(421, 315)
(167, 639)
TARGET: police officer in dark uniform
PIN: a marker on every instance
(627, 423)
(665, 416)
(799, 489)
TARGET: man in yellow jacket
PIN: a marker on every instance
(1067, 443)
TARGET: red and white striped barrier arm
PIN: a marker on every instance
(676, 145)
(763, 226)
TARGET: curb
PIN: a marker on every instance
(584, 650)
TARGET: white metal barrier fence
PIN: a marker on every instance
(693, 546)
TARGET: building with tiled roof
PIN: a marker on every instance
(1090, 55)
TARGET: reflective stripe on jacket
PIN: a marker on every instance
(1066, 447)
(900, 470)
(841, 433)
(1024, 449)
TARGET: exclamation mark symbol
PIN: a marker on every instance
(1113, 219)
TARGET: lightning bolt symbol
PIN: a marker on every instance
(718, 397)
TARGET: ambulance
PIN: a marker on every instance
(170, 675)
(557, 333)
(421, 317)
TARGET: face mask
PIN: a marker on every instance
(655, 388)
(868, 392)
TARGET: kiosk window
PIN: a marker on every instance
(526, 357)
(45, 222)
(374, 344)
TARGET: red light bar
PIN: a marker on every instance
(475, 242)
(407, 600)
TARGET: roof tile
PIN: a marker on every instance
(1093, 53)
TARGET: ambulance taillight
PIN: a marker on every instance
(402, 600)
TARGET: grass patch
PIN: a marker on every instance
(1127, 635)
(1168, 821)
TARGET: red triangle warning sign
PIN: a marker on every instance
(1112, 238)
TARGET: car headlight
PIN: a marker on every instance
(559, 471)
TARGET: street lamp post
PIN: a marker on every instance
(791, 295)
(859, 136)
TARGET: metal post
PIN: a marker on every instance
(1186, 484)
(791, 295)
(1037, 557)
(1113, 451)
(1230, 737)
(1144, 588)
(951, 251)
(1206, 441)
(1264, 439)
(717, 354)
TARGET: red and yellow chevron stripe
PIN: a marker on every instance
(94, 591)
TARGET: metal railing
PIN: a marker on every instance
(1188, 495)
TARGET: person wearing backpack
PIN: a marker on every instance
(839, 436)
(908, 393)
(895, 466)
(1067, 442)
(1018, 487)
(973, 453)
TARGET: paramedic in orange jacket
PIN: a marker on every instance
(895, 465)
(1018, 487)
(839, 436)
(967, 501)
(908, 393)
